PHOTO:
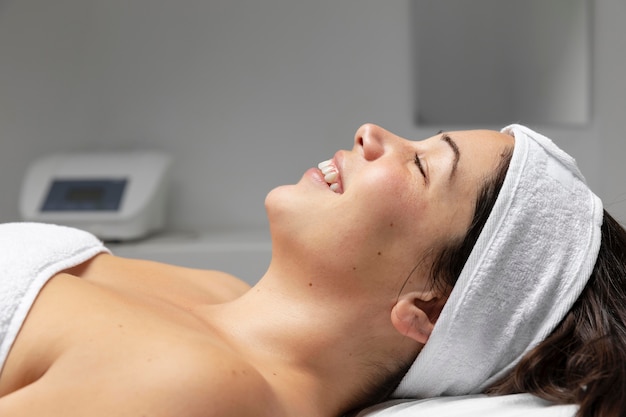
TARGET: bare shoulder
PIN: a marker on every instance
(234, 388)
(186, 384)
(225, 386)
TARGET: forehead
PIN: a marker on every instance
(479, 153)
(481, 149)
(474, 140)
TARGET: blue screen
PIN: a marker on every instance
(85, 195)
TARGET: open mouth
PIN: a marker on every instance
(331, 175)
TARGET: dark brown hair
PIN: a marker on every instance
(583, 361)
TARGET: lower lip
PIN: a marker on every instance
(316, 176)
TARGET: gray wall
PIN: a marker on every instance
(245, 94)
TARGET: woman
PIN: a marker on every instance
(345, 306)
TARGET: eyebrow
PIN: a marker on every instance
(457, 154)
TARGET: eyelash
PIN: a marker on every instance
(418, 162)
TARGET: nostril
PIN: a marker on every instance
(368, 140)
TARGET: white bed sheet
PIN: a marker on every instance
(516, 405)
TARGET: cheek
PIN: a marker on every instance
(398, 211)
(457, 209)
(385, 185)
(406, 203)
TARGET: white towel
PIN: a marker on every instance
(515, 405)
(30, 254)
(530, 263)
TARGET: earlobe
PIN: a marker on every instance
(414, 316)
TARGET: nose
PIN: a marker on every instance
(372, 140)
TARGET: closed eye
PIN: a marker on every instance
(420, 166)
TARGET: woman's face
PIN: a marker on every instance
(390, 202)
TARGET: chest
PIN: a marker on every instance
(81, 329)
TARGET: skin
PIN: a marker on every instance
(121, 337)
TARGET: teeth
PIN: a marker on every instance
(330, 177)
(331, 174)
(325, 165)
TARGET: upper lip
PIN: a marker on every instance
(338, 161)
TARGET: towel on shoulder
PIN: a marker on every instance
(30, 254)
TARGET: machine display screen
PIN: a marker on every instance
(85, 195)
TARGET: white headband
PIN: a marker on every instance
(528, 267)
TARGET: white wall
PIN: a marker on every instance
(245, 94)
(610, 103)
(513, 60)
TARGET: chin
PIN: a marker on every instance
(277, 197)
(290, 213)
(280, 204)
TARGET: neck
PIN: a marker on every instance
(309, 343)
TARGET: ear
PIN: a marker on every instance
(415, 314)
